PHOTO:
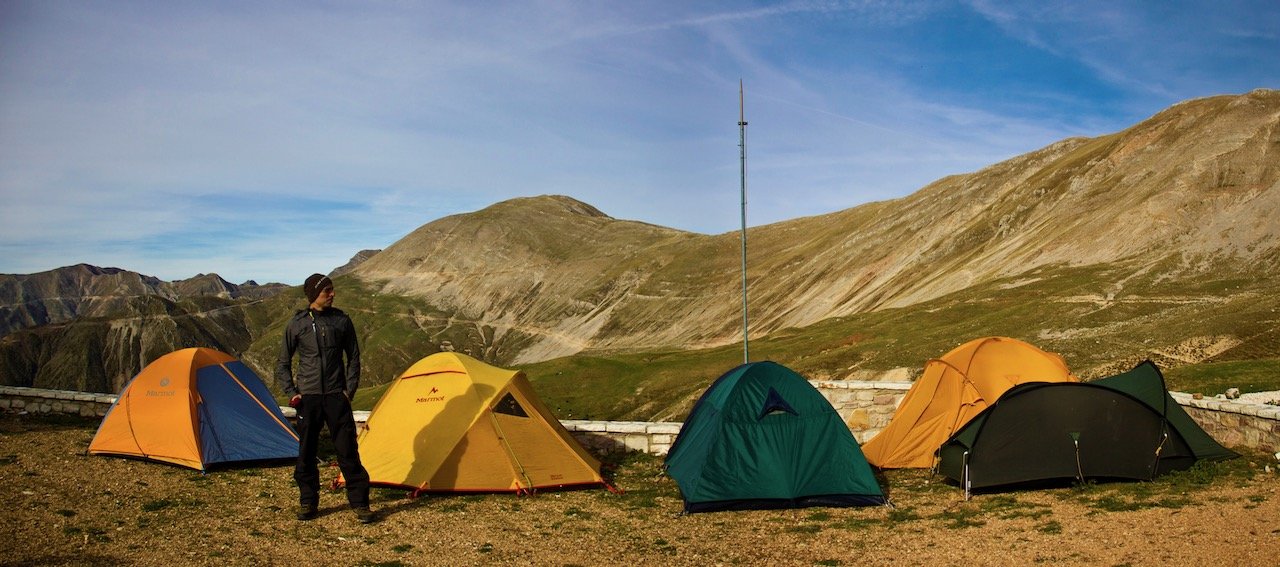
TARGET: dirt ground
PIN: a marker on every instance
(62, 507)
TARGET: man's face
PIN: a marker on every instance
(324, 300)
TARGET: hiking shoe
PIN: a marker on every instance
(365, 515)
(306, 513)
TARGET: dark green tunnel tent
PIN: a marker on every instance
(1145, 382)
(1125, 427)
(762, 437)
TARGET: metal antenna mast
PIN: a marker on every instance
(742, 147)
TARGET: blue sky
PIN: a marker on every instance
(270, 140)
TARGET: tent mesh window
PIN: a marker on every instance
(509, 406)
(775, 404)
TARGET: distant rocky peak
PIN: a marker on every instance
(356, 260)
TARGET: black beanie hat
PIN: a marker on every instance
(314, 285)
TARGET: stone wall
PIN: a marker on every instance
(865, 406)
(34, 400)
(602, 437)
(1234, 424)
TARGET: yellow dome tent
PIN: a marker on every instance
(451, 423)
(951, 391)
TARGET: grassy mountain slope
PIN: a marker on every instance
(1193, 189)
(1209, 340)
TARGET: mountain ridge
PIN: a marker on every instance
(84, 290)
(1200, 178)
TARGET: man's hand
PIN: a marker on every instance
(295, 401)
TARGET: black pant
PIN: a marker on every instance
(334, 410)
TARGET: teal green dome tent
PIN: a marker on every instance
(763, 437)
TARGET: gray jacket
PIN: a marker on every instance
(320, 339)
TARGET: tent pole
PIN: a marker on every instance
(742, 154)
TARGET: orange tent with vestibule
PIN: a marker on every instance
(451, 423)
(196, 407)
(951, 391)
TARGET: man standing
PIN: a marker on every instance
(322, 390)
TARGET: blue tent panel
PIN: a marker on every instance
(239, 420)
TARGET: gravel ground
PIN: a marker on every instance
(65, 508)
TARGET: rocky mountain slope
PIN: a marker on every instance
(1192, 189)
(83, 290)
(89, 328)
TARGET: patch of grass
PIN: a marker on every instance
(829, 562)
(1007, 507)
(1215, 378)
(1173, 502)
(639, 498)
(819, 516)
(485, 547)
(8, 460)
(805, 529)
(1114, 503)
(575, 512)
(855, 524)
(1174, 490)
(157, 505)
(960, 517)
(1205, 473)
(663, 546)
(451, 507)
(1052, 527)
(66, 513)
(402, 548)
(902, 514)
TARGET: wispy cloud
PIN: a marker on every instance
(1155, 50)
(268, 141)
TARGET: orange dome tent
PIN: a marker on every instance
(951, 391)
(196, 407)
